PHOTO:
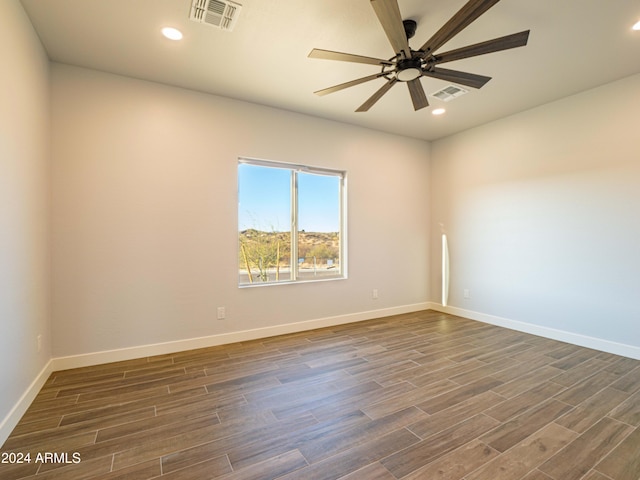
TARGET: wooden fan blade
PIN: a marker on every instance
(465, 16)
(418, 97)
(463, 78)
(346, 57)
(496, 45)
(377, 96)
(389, 16)
(352, 83)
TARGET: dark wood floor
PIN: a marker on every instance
(417, 396)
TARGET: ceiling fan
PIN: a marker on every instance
(408, 65)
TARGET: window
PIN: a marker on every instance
(290, 223)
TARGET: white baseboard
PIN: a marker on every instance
(19, 409)
(608, 346)
(96, 358)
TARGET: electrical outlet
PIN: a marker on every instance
(374, 294)
(466, 293)
(221, 313)
(39, 340)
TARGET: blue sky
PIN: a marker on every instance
(264, 200)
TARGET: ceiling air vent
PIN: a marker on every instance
(449, 93)
(221, 14)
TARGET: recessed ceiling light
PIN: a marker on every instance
(636, 26)
(172, 33)
(438, 111)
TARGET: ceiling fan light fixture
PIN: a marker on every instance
(409, 69)
(409, 74)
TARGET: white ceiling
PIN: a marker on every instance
(574, 45)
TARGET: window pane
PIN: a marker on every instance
(318, 226)
(264, 224)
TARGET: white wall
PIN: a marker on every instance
(24, 210)
(542, 211)
(145, 214)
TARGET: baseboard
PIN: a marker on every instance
(608, 346)
(96, 358)
(19, 409)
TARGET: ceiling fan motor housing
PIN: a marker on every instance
(409, 69)
(409, 28)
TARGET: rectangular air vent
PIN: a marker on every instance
(222, 14)
(449, 93)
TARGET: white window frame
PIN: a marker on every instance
(295, 170)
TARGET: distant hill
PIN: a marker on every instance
(323, 245)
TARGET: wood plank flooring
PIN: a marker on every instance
(413, 397)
